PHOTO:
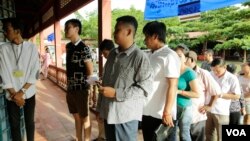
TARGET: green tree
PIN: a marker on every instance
(229, 26)
(90, 26)
(140, 19)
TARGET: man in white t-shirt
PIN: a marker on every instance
(230, 88)
(160, 107)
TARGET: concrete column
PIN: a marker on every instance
(104, 25)
(41, 48)
(58, 49)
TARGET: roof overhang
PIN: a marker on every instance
(40, 14)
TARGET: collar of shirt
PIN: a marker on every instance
(225, 75)
(128, 51)
(197, 69)
(76, 43)
(158, 50)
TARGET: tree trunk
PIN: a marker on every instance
(245, 56)
(204, 46)
(223, 53)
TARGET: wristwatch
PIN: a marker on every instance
(24, 90)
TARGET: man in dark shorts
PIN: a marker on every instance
(79, 68)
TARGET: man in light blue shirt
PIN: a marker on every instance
(126, 82)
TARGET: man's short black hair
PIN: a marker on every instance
(106, 44)
(218, 62)
(128, 20)
(75, 23)
(231, 68)
(157, 28)
(15, 23)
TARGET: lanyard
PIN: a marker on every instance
(17, 58)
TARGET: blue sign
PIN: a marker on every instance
(51, 37)
(189, 8)
(215, 4)
(156, 9)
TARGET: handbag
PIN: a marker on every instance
(162, 133)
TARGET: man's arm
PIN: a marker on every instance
(35, 67)
(208, 107)
(170, 99)
(18, 97)
(89, 67)
(12, 92)
(230, 96)
(235, 90)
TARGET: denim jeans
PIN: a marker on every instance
(184, 120)
(15, 116)
(121, 132)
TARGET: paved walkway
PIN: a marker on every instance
(52, 119)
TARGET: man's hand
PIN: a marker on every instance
(204, 109)
(18, 99)
(107, 91)
(243, 111)
(12, 93)
(168, 120)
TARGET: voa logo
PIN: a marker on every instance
(236, 132)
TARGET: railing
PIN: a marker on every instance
(58, 75)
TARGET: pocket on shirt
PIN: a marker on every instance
(126, 76)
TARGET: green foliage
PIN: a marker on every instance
(90, 26)
(230, 26)
(247, 3)
(234, 43)
(239, 30)
(139, 39)
(246, 43)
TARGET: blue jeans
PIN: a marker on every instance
(184, 120)
(121, 132)
(14, 119)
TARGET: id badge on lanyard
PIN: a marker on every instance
(17, 73)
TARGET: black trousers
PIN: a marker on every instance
(234, 118)
(149, 125)
(15, 116)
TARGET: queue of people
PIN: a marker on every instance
(163, 87)
(183, 95)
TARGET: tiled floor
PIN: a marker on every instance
(53, 121)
